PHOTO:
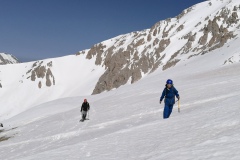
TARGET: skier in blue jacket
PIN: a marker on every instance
(169, 94)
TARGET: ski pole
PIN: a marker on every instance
(178, 106)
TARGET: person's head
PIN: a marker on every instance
(169, 83)
(85, 100)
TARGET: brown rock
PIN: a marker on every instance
(149, 38)
(48, 75)
(181, 27)
(203, 39)
(40, 71)
(96, 49)
(136, 75)
(155, 32)
(49, 64)
(39, 84)
(33, 76)
(170, 64)
(155, 42)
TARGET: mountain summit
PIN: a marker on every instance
(40, 101)
(205, 29)
(198, 30)
(7, 59)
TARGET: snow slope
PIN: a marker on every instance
(124, 59)
(198, 30)
(127, 123)
(72, 78)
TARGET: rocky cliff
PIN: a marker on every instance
(198, 30)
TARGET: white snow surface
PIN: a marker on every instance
(74, 75)
(127, 123)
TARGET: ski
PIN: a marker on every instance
(82, 120)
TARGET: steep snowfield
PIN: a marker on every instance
(74, 75)
(127, 123)
(126, 58)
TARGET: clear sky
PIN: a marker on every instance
(39, 29)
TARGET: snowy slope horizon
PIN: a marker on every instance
(127, 123)
(124, 59)
(40, 101)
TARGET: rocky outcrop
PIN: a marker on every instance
(49, 75)
(39, 84)
(219, 34)
(39, 72)
(128, 57)
(96, 50)
(7, 59)
(170, 64)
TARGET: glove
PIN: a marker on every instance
(178, 98)
(160, 102)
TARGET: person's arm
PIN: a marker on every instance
(163, 95)
(82, 108)
(88, 106)
(176, 93)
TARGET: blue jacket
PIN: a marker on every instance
(169, 95)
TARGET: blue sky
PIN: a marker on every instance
(39, 29)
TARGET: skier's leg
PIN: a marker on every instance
(170, 110)
(84, 115)
(166, 112)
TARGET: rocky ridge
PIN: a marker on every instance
(7, 59)
(41, 73)
(127, 58)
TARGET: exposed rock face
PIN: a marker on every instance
(128, 57)
(7, 59)
(39, 84)
(48, 76)
(40, 72)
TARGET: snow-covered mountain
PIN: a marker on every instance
(7, 59)
(127, 123)
(124, 59)
(128, 57)
(199, 49)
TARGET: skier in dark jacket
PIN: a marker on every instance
(84, 109)
(169, 94)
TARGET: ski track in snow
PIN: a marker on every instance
(126, 123)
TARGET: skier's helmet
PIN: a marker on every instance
(169, 81)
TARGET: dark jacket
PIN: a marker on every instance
(169, 95)
(85, 106)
